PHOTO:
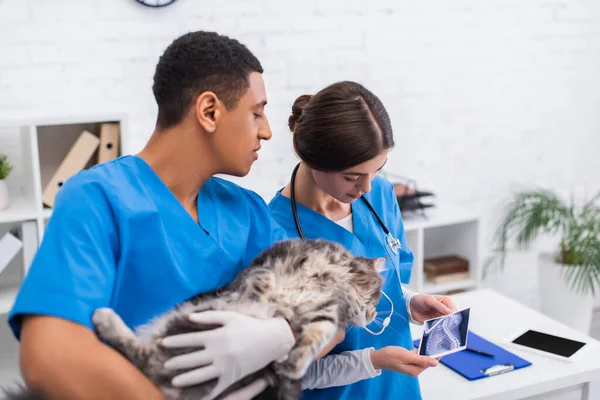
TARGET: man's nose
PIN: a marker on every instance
(264, 131)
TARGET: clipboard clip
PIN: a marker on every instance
(497, 369)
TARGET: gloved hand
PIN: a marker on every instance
(240, 346)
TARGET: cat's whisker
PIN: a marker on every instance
(394, 329)
(386, 313)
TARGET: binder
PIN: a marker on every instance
(473, 366)
(109, 142)
(75, 161)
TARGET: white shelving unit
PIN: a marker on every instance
(444, 231)
(36, 148)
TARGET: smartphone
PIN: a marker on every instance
(547, 344)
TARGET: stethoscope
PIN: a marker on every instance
(392, 242)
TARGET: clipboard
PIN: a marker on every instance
(473, 366)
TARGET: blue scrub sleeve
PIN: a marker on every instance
(73, 270)
(340, 370)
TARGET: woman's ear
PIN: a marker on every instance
(207, 111)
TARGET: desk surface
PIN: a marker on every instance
(494, 317)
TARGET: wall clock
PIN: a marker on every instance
(156, 3)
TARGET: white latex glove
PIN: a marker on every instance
(241, 346)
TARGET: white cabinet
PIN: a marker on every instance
(444, 231)
(35, 149)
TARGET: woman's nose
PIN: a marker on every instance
(365, 185)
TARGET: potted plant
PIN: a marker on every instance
(5, 169)
(569, 277)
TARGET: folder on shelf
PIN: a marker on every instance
(75, 161)
(9, 247)
(109, 142)
(475, 366)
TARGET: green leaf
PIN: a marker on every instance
(533, 213)
(5, 167)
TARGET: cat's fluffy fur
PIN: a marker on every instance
(318, 286)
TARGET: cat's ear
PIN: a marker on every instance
(379, 264)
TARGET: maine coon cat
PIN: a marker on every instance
(316, 285)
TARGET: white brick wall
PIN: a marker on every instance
(484, 96)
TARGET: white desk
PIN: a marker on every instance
(494, 317)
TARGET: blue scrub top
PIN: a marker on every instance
(119, 238)
(368, 240)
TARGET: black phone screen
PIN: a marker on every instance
(549, 343)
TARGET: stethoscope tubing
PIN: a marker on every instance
(390, 239)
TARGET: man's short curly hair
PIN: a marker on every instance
(197, 62)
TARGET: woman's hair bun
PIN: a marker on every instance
(297, 108)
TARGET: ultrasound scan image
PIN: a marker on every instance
(445, 334)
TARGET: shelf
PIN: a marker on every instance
(7, 298)
(447, 286)
(438, 217)
(61, 120)
(20, 209)
(46, 213)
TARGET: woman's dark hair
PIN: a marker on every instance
(341, 126)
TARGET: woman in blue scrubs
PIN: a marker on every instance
(342, 136)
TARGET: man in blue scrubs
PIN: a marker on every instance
(144, 232)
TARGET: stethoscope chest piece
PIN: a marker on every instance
(394, 243)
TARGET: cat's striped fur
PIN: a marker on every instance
(318, 286)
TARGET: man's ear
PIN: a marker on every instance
(207, 111)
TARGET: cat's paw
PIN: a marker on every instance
(312, 341)
(108, 324)
(296, 365)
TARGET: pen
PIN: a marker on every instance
(483, 353)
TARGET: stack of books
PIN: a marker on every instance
(446, 269)
(410, 198)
